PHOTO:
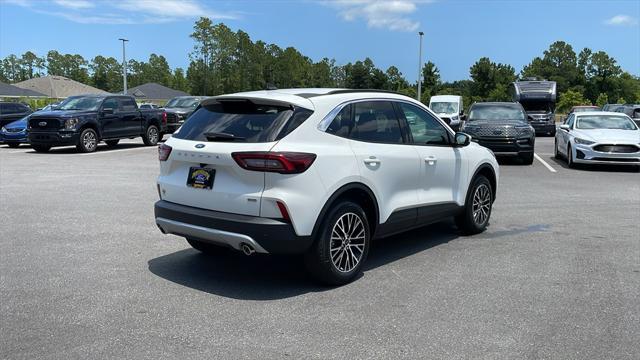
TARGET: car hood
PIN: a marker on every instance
(18, 124)
(178, 110)
(63, 113)
(495, 123)
(609, 135)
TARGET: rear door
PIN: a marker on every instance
(130, 118)
(386, 163)
(237, 127)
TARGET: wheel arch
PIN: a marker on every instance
(487, 171)
(358, 193)
(93, 126)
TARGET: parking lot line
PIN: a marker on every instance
(544, 163)
(117, 150)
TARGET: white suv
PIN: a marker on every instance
(319, 172)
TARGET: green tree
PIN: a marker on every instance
(31, 65)
(106, 73)
(602, 100)
(490, 80)
(430, 80)
(178, 80)
(569, 99)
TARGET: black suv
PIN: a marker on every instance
(503, 128)
(12, 111)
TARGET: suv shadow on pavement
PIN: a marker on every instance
(259, 277)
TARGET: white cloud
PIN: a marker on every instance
(170, 8)
(382, 14)
(122, 11)
(622, 20)
(74, 4)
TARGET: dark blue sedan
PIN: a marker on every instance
(15, 133)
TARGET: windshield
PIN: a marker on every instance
(444, 107)
(590, 122)
(80, 103)
(182, 103)
(536, 106)
(497, 113)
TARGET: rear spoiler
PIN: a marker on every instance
(258, 100)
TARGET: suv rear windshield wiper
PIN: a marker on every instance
(215, 136)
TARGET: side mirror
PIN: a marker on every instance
(107, 111)
(564, 127)
(463, 117)
(462, 139)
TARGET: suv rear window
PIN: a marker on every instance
(242, 121)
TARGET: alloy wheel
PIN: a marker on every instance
(347, 242)
(481, 204)
(89, 140)
(152, 134)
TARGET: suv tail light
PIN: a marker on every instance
(163, 152)
(279, 162)
(164, 118)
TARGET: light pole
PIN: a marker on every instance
(420, 66)
(124, 66)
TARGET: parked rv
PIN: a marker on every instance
(538, 98)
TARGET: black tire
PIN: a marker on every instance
(112, 143)
(553, 133)
(467, 223)
(349, 252)
(88, 141)
(41, 148)
(556, 154)
(527, 158)
(151, 136)
(570, 162)
(13, 145)
(206, 248)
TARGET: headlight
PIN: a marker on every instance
(70, 124)
(455, 118)
(584, 142)
(524, 130)
(4, 130)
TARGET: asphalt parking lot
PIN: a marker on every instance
(85, 273)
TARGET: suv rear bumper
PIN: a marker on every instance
(263, 234)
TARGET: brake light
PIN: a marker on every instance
(163, 152)
(164, 118)
(279, 162)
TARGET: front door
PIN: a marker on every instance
(442, 166)
(110, 119)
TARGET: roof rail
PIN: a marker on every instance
(349, 91)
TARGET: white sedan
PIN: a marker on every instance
(598, 137)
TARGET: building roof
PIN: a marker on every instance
(154, 91)
(58, 86)
(10, 90)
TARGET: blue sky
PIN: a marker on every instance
(457, 33)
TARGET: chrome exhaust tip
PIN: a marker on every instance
(247, 249)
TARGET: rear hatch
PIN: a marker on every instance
(207, 140)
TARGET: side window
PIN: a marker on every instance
(22, 108)
(127, 104)
(111, 103)
(425, 129)
(375, 121)
(342, 124)
(10, 108)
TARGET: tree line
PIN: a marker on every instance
(224, 61)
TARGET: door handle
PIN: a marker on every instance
(430, 160)
(372, 160)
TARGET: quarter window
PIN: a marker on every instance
(127, 104)
(343, 123)
(111, 103)
(425, 129)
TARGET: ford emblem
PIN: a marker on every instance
(497, 132)
(199, 146)
(42, 123)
